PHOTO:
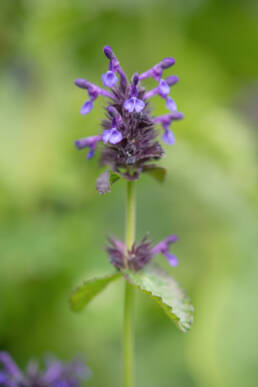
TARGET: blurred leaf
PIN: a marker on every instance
(90, 289)
(158, 284)
(158, 173)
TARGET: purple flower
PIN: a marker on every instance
(135, 258)
(113, 136)
(164, 88)
(109, 79)
(171, 105)
(82, 83)
(93, 92)
(88, 142)
(10, 375)
(157, 70)
(140, 254)
(133, 134)
(56, 373)
(172, 80)
(87, 107)
(163, 248)
(166, 121)
(134, 104)
(168, 137)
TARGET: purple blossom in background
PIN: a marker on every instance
(55, 374)
(139, 255)
(128, 138)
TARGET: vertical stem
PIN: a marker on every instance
(129, 290)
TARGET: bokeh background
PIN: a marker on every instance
(54, 224)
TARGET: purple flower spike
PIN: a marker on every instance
(171, 105)
(168, 137)
(140, 254)
(87, 107)
(54, 373)
(9, 367)
(134, 104)
(128, 130)
(109, 79)
(113, 136)
(164, 88)
(163, 248)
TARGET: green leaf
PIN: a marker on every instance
(158, 284)
(113, 177)
(90, 289)
(158, 173)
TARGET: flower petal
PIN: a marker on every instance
(172, 259)
(109, 79)
(164, 89)
(106, 135)
(86, 107)
(129, 104)
(171, 105)
(90, 154)
(139, 105)
(115, 136)
(168, 137)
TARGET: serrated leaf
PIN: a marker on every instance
(90, 289)
(158, 173)
(160, 286)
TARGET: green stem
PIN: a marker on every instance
(129, 290)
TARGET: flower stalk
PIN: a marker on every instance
(128, 334)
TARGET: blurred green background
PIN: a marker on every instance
(53, 223)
